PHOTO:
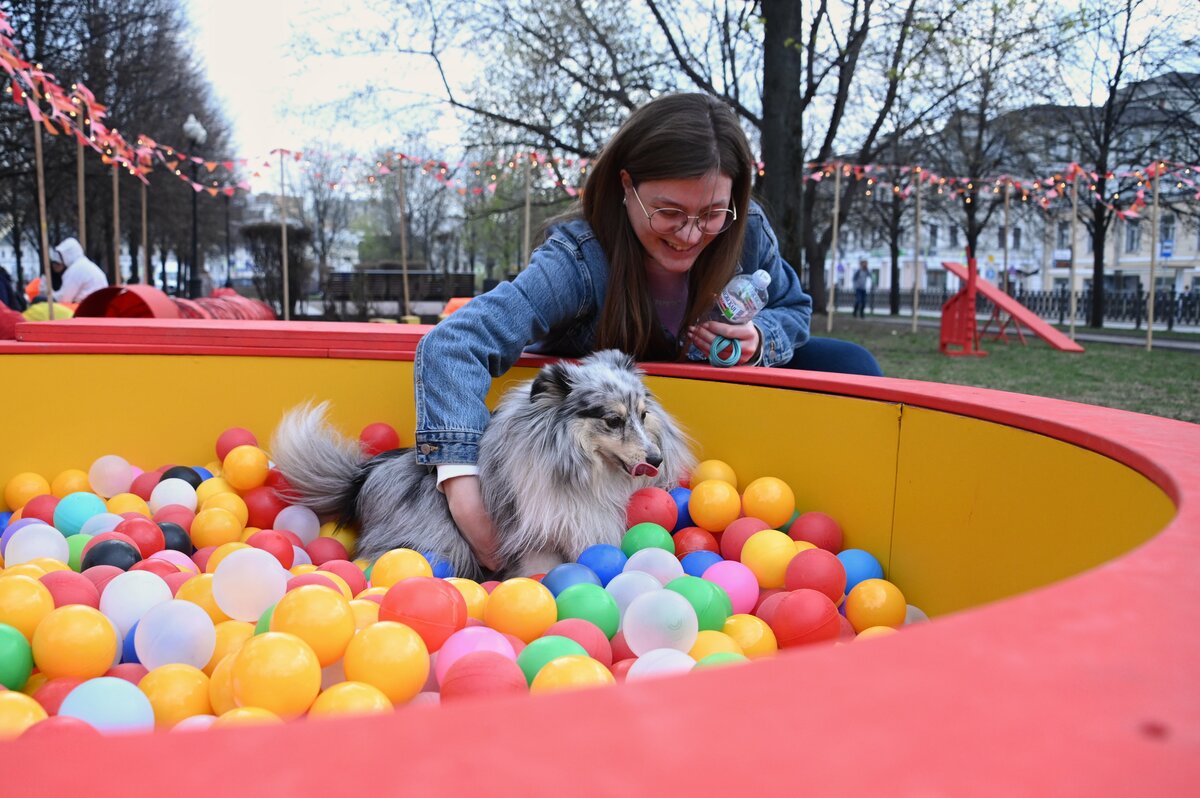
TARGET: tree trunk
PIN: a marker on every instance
(782, 185)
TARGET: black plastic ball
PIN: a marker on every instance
(176, 537)
(112, 552)
(186, 473)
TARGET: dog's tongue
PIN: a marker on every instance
(644, 470)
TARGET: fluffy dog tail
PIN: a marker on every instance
(324, 468)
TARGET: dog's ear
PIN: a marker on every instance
(615, 359)
(553, 379)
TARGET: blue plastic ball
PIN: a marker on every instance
(605, 560)
(128, 649)
(442, 568)
(110, 704)
(697, 562)
(203, 472)
(74, 509)
(859, 565)
(681, 496)
(5, 517)
(561, 577)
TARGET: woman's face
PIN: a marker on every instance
(675, 253)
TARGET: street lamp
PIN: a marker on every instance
(196, 136)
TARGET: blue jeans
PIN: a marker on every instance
(830, 354)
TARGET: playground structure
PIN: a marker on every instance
(1062, 595)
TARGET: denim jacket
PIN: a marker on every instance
(552, 307)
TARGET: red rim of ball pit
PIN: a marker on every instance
(1086, 686)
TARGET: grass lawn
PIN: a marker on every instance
(1161, 382)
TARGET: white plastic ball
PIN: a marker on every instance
(300, 557)
(247, 582)
(299, 519)
(100, 523)
(175, 631)
(194, 723)
(172, 491)
(36, 540)
(659, 662)
(627, 586)
(659, 563)
(915, 615)
(130, 595)
(110, 475)
(662, 619)
(110, 704)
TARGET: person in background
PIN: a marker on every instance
(80, 277)
(862, 284)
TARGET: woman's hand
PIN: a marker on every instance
(749, 336)
(466, 506)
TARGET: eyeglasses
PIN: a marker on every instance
(672, 220)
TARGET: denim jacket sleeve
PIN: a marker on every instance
(456, 361)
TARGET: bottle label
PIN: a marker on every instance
(733, 307)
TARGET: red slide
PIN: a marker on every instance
(1015, 309)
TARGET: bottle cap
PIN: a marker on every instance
(761, 278)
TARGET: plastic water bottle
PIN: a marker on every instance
(739, 302)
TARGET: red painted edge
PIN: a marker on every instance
(1087, 686)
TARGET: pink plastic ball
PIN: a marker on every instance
(738, 582)
(586, 634)
(468, 641)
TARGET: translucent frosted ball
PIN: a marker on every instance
(194, 723)
(103, 522)
(110, 475)
(662, 619)
(627, 586)
(299, 519)
(659, 563)
(172, 491)
(659, 662)
(130, 595)
(36, 540)
(110, 704)
(247, 582)
(915, 615)
(175, 631)
(300, 557)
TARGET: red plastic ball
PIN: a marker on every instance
(143, 484)
(276, 479)
(61, 727)
(160, 568)
(101, 575)
(847, 631)
(144, 533)
(693, 538)
(621, 649)
(654, 505)
(175, 514)
(291, 536)
(517, 643)
(378, 437)
(132, 672)
(483, 673)
(262, 505)
(586, 634)
(200, 557)
(349, 572)
(432, 607)
(51, 694)
(111, 534)
(803, 617)
(818, 529)
(313, 578)
(232, 438)
(737, 533)
(323, 550)
(768, 600)
(176, 580)
(819, 570)
(620, 668)
(275, 544)
(41, 507)
(489, 585)
(68, 587)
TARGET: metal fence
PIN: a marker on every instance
(1171, 307)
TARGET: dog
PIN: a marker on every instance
(558, 462)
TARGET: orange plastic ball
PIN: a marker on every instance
(72, 480)
(24, 601)
(770, 499)
(320, 617)
(389, 656)
(220, 686)
(350, 698)
(221, 552)
(212, 487)
(276, 671)
(199, 591)
(176, 691)
(245, 467)
(473, 593)
(572, 672)
(875, 602)
(714, 504)
(246, 716)
(17, 713)
(74, 640)
(713, 469)
(366, 612)
(875, 631)
(767, 554)
(230, 637)
(23, 487)
(128, 503)
(752, 634)
(709, 641)
(227, 501)
(215, 526)
(397, 564)
(521, 607)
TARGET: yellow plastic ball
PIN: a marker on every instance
(24, 602)
(572, 672)
(389, 656)
(230, 637)
(350, 698)
(49, 564)
(70, 481)
(176, 691)
(713, 469)
(752, 634)
(875, 631)
(804, 545)
(366, 612)
(248, 533)
(302, 568)
(875, 602)
(319, 617)
(474, 594)
(214, 468)
(770, 499)
(342, 585)
(246, 716)
(709, 641)
(74, 640)
(347, 536)
(521, 607)
(23, 487)
(276, 671)
(220, 553)
(220, 686)
(245, 467)
(372, 591)
(397, 564)
(199, 591)
(128, 503)
(767, 554)
(214, 527)
(17, 713)
(714, 504)
(229, 501)
(34, 683)
(24, 569)
(211, 487)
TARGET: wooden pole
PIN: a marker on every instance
(1007, 197)
(917, 258)
(837, 198)
(1071, 270)
(528, 186)
(403, 242)
(79, 194)
(47, 283)
(116, 194)
(1153, 260)
(146, 276)
(287, 309)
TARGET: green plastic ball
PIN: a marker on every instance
(75, 544)
(264, 621)
(709, 599)
(720, 658)
(535, 655)
(16, 658)
(647, 535)
(591, 603)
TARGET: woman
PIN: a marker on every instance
(664, 223)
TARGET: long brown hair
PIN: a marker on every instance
(676, 136)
